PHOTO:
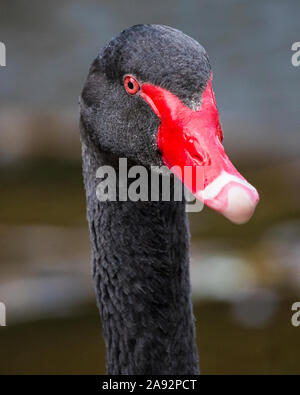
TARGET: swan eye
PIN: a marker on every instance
(131, 85)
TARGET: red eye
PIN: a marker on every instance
(131, 85)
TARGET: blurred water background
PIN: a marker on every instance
(244, 279)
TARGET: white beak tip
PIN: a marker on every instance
(241, 205)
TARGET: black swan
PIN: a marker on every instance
(148, 98)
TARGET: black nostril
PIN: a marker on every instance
(202, 159)
(197, 153)
(198, 157)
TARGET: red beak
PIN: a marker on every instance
(191, 145)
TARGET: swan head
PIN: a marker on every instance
(148, 97)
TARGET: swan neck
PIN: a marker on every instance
(140, 258)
